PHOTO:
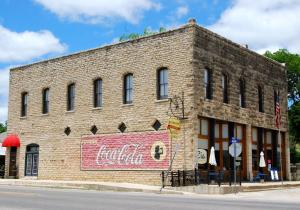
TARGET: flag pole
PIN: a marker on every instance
(279, 140)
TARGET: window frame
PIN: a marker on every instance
(128, 89)
(162, 83)
(225, 88)
(71, 97)
(98, 93)
(45, 100)
(208, 91)
(242, 99)
(24, 104)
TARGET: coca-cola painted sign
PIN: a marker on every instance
(144, 151)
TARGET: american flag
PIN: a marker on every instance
(278, 112)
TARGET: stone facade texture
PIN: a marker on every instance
(185, 51)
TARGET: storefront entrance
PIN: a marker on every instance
(32, 159)
(13, 162)
(218, 133)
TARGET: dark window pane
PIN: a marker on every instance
(24, 104)
(242, 94)
(225, 88)
(98, 93)
(71, 97)
(46, 101)
(162, 82)
(128, 89)
(208, 84)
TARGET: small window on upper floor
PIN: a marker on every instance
(260, 99)
(128, 89)
(242, 101)
(208, 84)
(71, 97)
(225, 88)
(24, 104)
(97, 93)
(45, 109)
(162, 84)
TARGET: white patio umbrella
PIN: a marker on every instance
(212, 157)
(262, 162)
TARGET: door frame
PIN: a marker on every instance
(32, 153)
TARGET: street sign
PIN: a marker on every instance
(174, 127)
(234, 140)
(235, 149)
(238, 151)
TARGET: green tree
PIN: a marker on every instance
(147, 32)
(3, 127)
(292, 62)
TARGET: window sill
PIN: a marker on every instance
(96, 108)
(161, 100)
(71, 111)
(23, 118)
(127, 105)
(45, 115)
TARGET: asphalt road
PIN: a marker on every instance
(25, 198)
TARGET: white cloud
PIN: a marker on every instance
(24, 46)
(181, 11)
(4, 75)
(267, 24)
(98, 11)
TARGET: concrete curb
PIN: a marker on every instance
(116, 187)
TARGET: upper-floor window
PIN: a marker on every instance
(162, 84)
(208, 84)
(45, 101)
(225, 88)
(24, 104)
(260, 99)
(242, 102)
(71, 97)
(98, 93)
(128, 89)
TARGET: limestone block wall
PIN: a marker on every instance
(223, 56)
(59, 155)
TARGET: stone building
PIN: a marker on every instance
(101, 114)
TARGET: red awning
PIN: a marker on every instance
(11, 141)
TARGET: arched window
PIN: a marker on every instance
(242, 101)
(24, 104)
(162, 84)
(208, 84)
(225, 88)
(98, 93)
(32, 160)
(45, 109)
(71, 97)
(128, 89)
(260, 99)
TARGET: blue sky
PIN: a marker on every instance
(32, 30)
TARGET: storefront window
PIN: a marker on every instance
(204, 127)
(254, 149)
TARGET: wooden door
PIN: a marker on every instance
(13, 162)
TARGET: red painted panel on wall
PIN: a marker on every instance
(131, 151)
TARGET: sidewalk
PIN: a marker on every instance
(129, 187)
